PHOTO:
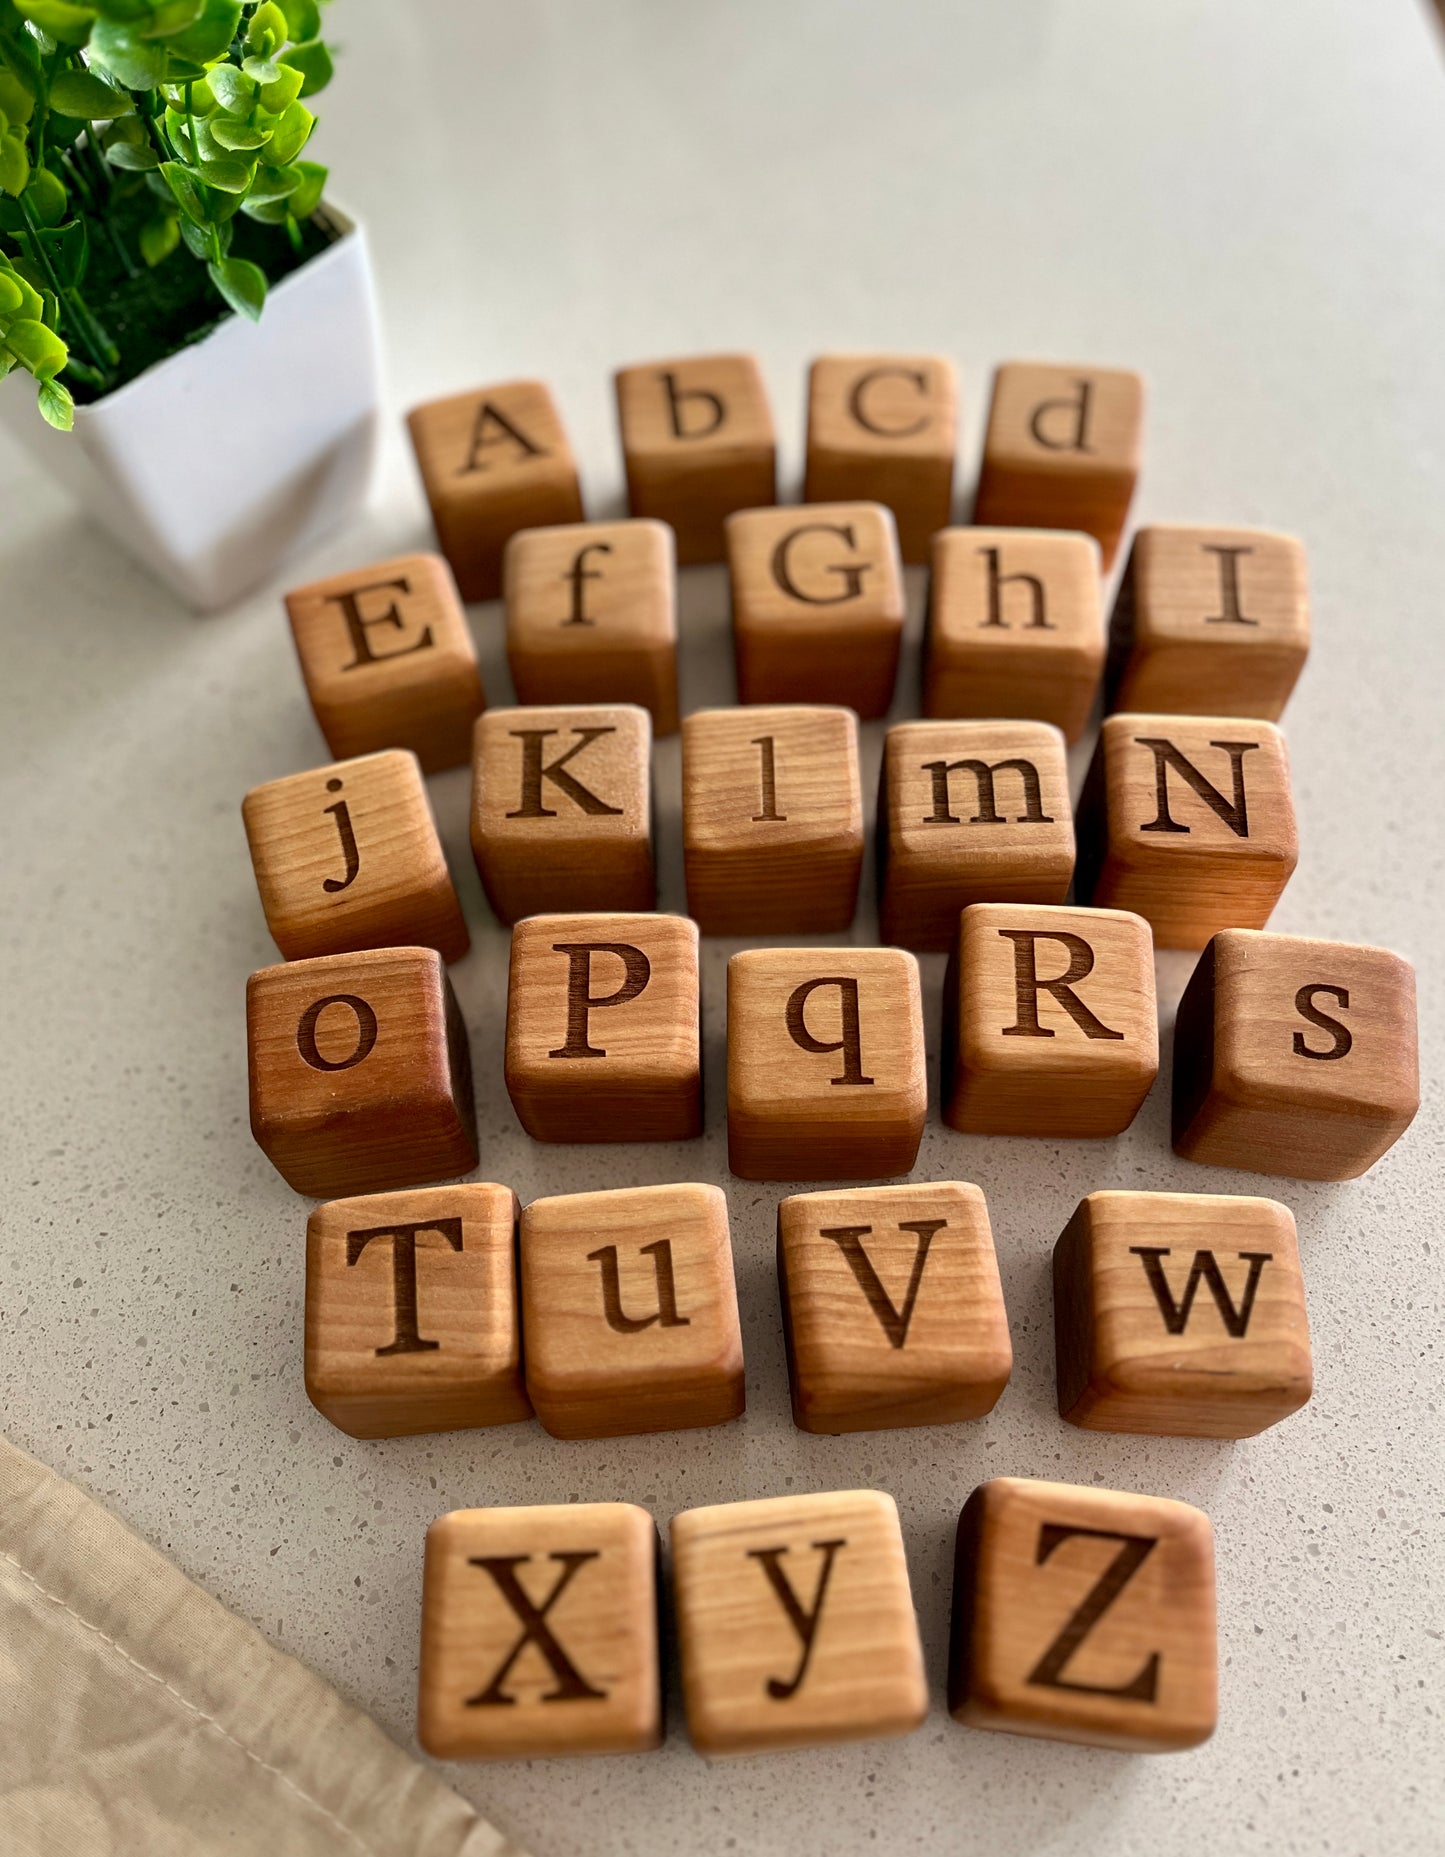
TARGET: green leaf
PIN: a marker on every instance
(313, 61)
(37, 348)
(14, 166)
(233, 90)
(45, 197)
(65, 23)
(134, 157)
(83, 94)
(268, 30)
(56, 405)
(16, 103)
(290, 135)
(228, 175)
(268, 212)
(211, 34)
(168, 17)
(303, 18)
(11, 295)
(282, 91)
(242, 284)
(137, 64)
(307, 197)
(230, 133)
(159, 237)
(274, 184)
(32, 305)
(184, 185)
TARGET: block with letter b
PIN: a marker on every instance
(1180, 1314)
(1189, 821)
(388, 660)
(539, 1633)
(603, 1040)
(1084, 1615)
(772, 819)
(360, 1073)
(1295, 1056)
(492, 461)
(795, 1623)
(826, 1076)
(411, 1311)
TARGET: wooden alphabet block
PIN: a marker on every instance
(772, 819)
(1188, 820)
(562, 809)
(348, 857)
(388, 661)
(1181, 1315)
(411, 1311)
(1015, 626)
(492, 461)
(1295, 1056)
(631, 1311)
(884, 429)
(360, 1073)
(603, 1040)
(817, 605)
(539, 1633)
(826, 1075)
(1062, 450)
(1084, 1615)
(969, 812)
(1209, 622)
(795, 1623)
(592, 616)
(892, 1307)
(697, 441)
(1049, 1022)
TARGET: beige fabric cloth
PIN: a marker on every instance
(137, 1715)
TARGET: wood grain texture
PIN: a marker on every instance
(412, 1320)
(817, 605)
(603, 1040)
(892, 1308)
(1015, 626)
(562, 809)
(1295, 1056)
(388, 661)
(360, 1072)
(969, 812)
(799, 1018)
(348, 857)
(592, 616)
(631, 1311)
(1084, 1615)
(1180, 1315)
(497, 1682)
(1062, 450)
(772, 819)
(492, 461)
(1192, 852)
(842, 1662)
(884, 429)
(697, 443)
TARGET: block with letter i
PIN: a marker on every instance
(411, 1311)
(1084, 1615)
(388, 661)
(492, 461)
(1180, 1314)
(892, 1307)
(795, 1623)
(539, 1633)
(1295, 1056)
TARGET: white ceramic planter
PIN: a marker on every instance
(216, 464)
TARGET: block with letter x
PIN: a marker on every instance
(539, 1633)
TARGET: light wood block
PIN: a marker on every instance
(1015, 626)
(884, 429)
(603, 1040)
(592, 616)
(1210, 622)
(772, 819)
(697, 442)
(1049, 1022)
(969, 812)
(388, 661)
(1295, 1056)
(348, 857)
(892, 1307)
(539, 1633)
(492, 461)
(795, 1623)
(562, 809)
(631, 1311)
(826, 1074)
(1062, 450)
(817, 605)
(360, 1072)
(411, 1311)
(1190, 822)
(1084, 1615)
